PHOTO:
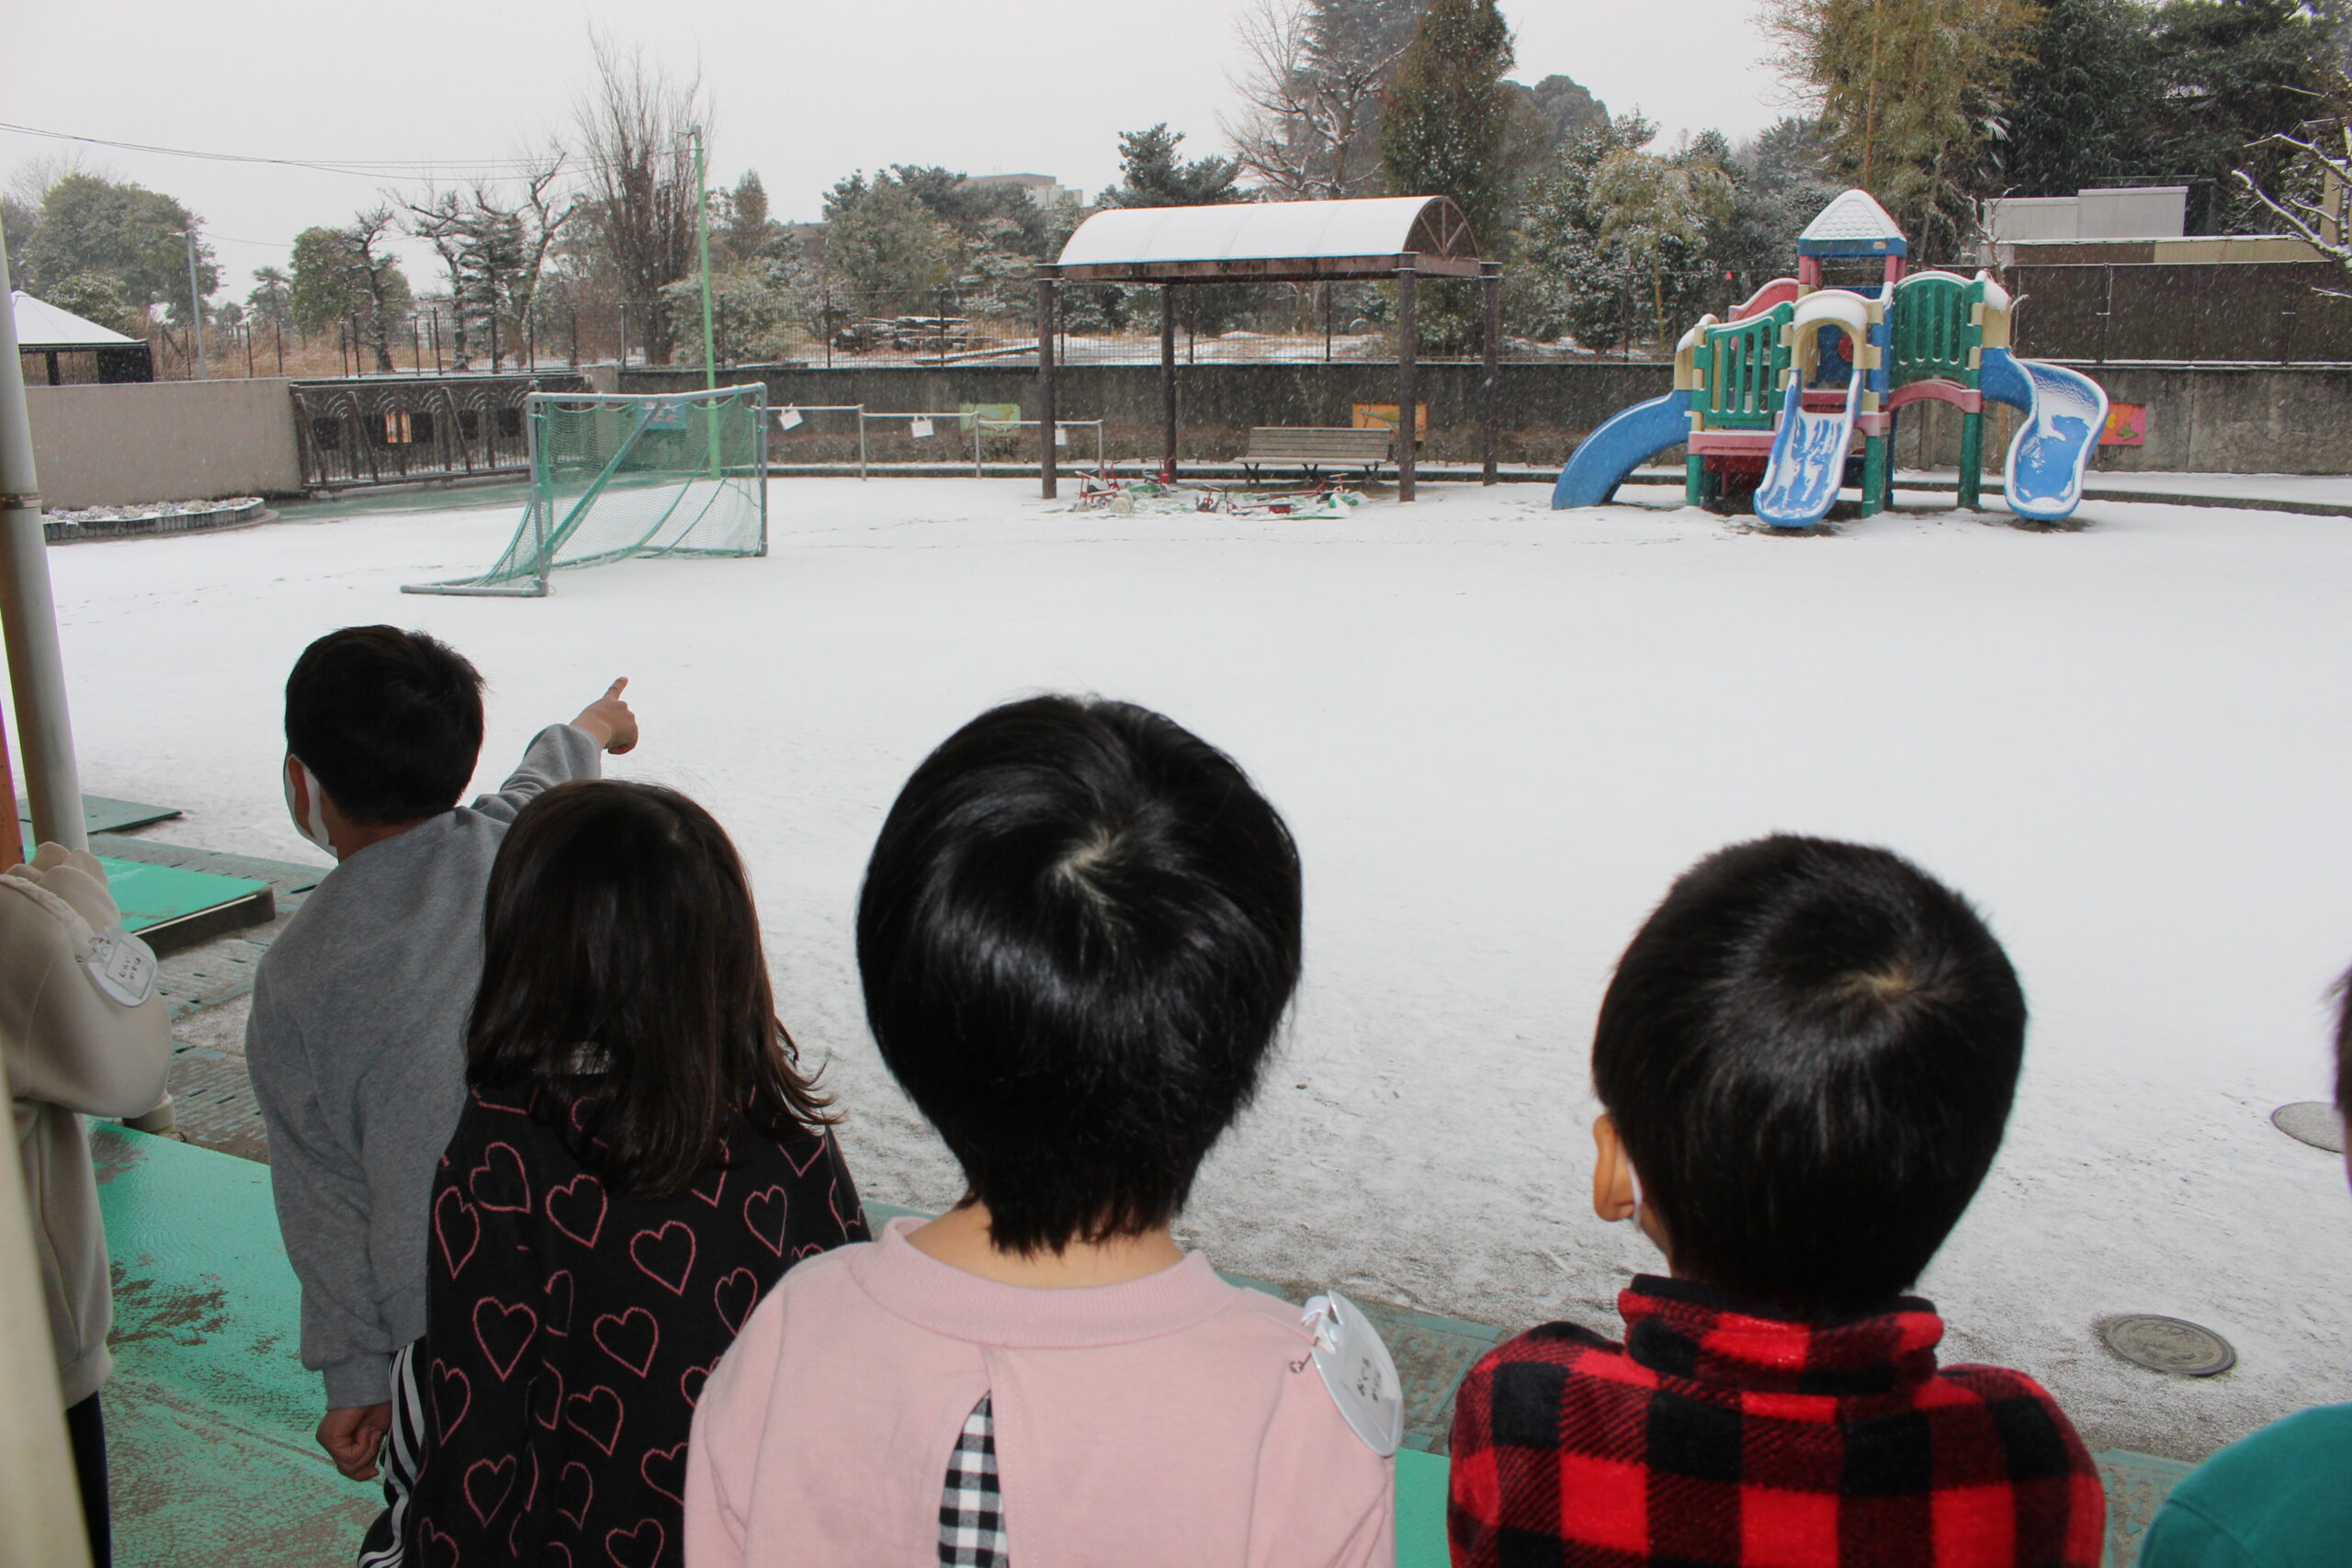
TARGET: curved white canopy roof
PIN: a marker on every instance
(41, 325)
(1261, 239)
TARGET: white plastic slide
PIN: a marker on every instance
(2065, 413)
(1808, 462)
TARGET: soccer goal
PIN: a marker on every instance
(617, 476)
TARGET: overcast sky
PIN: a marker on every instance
(804, 93)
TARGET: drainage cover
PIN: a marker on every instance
(2167, 1345)
(2313, 1120)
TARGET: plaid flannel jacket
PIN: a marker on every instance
(1712, 1438)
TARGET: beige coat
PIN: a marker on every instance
(71, 1051)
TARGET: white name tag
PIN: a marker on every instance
(1357, 1370)
(123, 967)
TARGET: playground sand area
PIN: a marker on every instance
(1498, 732)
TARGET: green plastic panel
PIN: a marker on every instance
(103, 814)
(210, 1414)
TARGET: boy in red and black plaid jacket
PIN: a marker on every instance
(1806, 1059)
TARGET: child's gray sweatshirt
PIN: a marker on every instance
(357, 1046)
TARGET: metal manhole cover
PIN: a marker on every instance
(2167, 1345)
(2314, 1122)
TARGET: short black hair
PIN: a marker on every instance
(618, 913)
(1079, 933)
(388, 721)
(1810, 1051)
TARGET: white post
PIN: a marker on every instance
(28, 613)
(195, 305)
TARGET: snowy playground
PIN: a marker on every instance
(1497, 730)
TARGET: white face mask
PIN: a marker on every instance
(314, 827)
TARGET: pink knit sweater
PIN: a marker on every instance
(1174, 1420)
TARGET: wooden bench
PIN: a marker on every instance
(1315, 448)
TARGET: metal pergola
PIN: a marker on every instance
(1403, 238)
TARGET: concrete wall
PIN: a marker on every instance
(2212, 419)
(126, 443)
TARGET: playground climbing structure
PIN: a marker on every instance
(1798, 394)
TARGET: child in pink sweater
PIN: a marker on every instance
(1079, 932)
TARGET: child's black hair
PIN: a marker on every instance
(1810, 1050)
(1079, 932)
(389, 722)
(623, 979)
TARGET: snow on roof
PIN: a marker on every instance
(40, 324)
(1855, 221)
(1263, 231)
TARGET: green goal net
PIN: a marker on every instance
(617, 476)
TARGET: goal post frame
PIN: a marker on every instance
(547, 534)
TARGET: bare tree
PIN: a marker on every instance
(493, 243)
(1311, 93)
(2321, 209)
(439, 222)
(641, 192)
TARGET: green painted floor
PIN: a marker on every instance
(210, 1414)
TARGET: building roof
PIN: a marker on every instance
(41, 325)
(1272, 241)
(1853, 225)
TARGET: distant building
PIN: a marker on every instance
(2126, 225)
(1043, 190)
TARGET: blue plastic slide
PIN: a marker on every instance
(1808, 458)
(1627, 440)
(2065, 413)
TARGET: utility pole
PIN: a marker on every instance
(702, 244)
(195, 303)
(709, 340)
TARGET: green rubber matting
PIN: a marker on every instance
(210, 1414)
(171, 907)
(102, 814)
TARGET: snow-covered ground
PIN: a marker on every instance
(1499, 733)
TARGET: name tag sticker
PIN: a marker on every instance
(1357, 1370)
(122, 965)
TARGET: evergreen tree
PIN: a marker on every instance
(1446, 128)
(125, 231)
(2232, 74)
(1780, 182)
(881, 238)
(1912, 97)
(2083, 100)
(349, 274)
(1566, 279)
(1153, 173)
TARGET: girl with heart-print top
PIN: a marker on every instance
(640, 1160)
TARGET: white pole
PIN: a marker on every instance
(28, 614)
(195, 305)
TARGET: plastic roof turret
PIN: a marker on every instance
(1853, 225)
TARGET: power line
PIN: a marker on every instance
(361, 168)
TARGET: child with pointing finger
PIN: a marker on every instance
(357, 1040)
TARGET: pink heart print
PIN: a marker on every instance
(499, 1183)
(504, 1332)
(577, 1209)
(764, 1212)
(629, 1337)
(454, 1221)
(665, 1255)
